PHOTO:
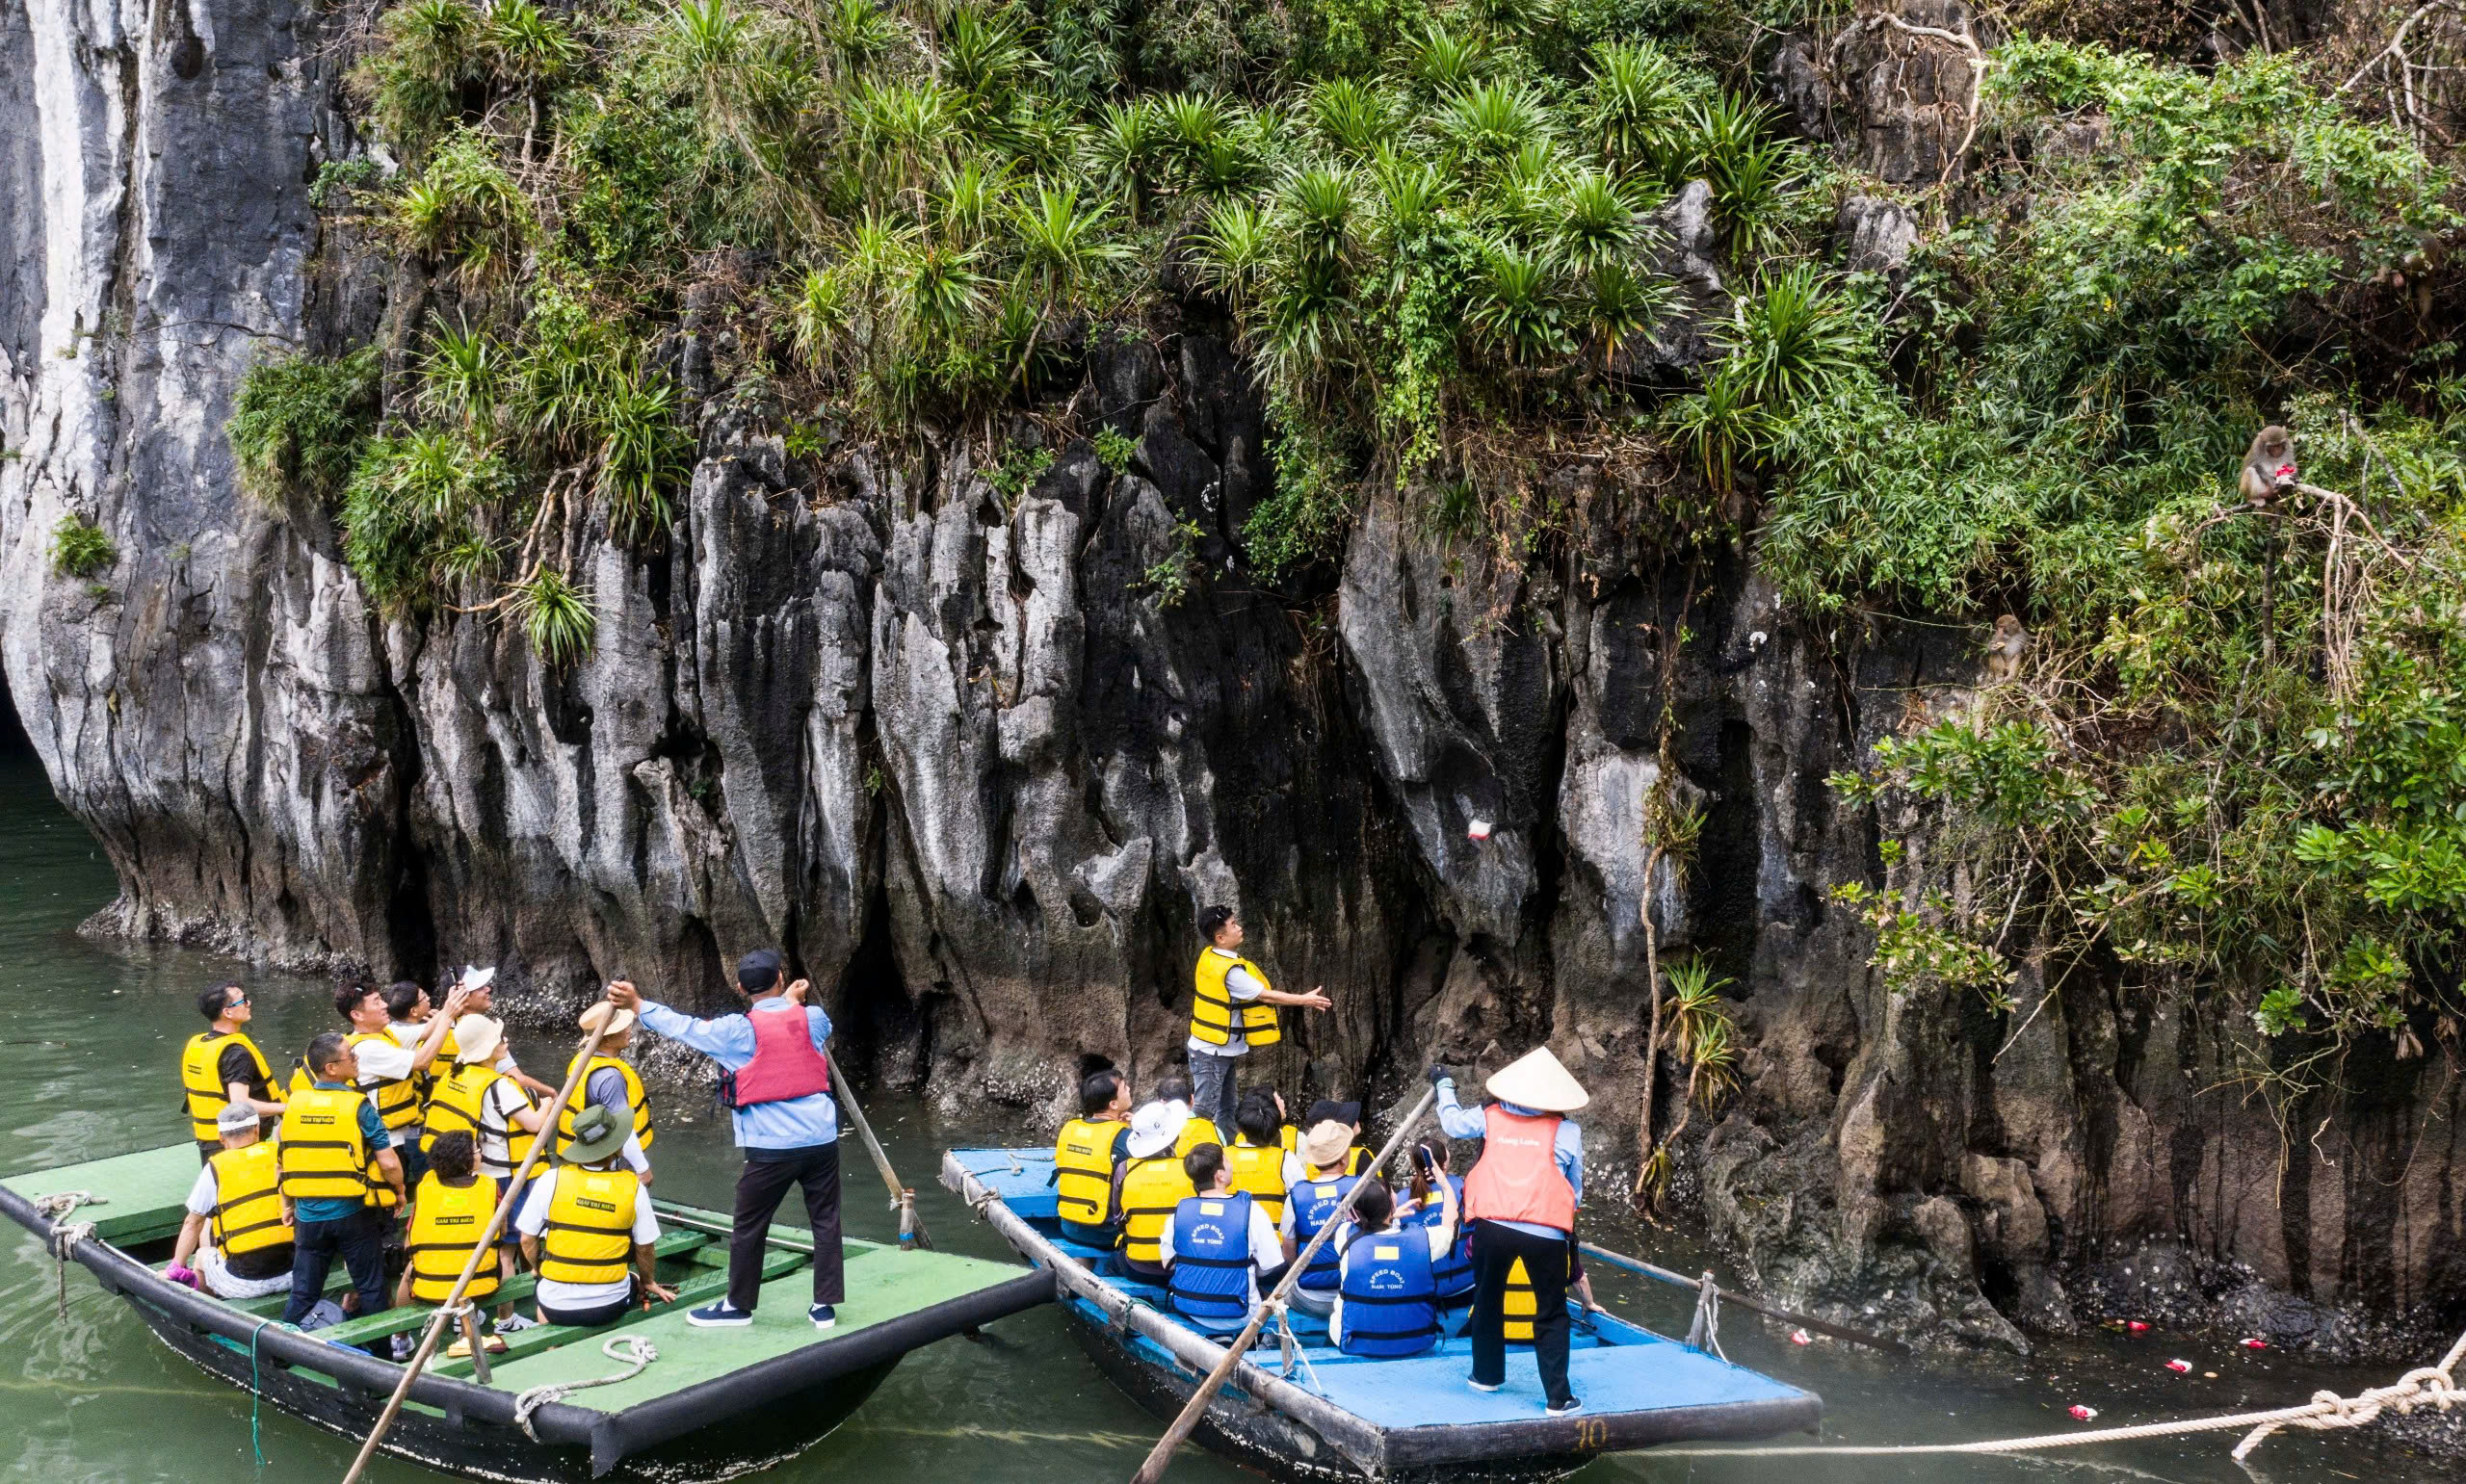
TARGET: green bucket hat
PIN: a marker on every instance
(598, 1134)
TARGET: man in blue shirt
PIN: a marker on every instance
(778, 1087)
(325, 1226)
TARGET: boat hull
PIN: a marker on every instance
(1274, 1444)
(481, 1449)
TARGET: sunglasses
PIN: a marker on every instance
(236, 1003)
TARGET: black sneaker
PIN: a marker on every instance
(1567, 1408)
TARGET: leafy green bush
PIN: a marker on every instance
(79, 548)
(298, 423)
(555, 615)
(412, 515)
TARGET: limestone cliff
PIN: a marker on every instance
(972, 765)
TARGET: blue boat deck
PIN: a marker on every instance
(1614, 1367)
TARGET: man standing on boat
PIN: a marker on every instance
(778, 1087)
(220, 1066)
(1232, 1009)
(1521, 1200)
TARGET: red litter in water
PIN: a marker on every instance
(2255, 1345)
(1799, 1336)
(2180, 1367)
(2135, 1327)
(2081, 1414)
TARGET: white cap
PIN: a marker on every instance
(1155, 1127)
(476, 979)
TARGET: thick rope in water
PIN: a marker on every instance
(256, 1394)
(64, 1239)
(632, 1349)
(2431, 1386)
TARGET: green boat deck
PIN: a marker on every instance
(140, 1198)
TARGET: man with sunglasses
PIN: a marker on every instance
(221, 1065)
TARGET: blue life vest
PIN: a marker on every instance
(1314, 1203)
(1391, 1304)
(1212, 1260)
(1454, 1272)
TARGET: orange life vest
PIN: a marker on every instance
(1517, 1178)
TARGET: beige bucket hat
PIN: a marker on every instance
(617, 1020)
(1537, 1081)
(475, 1039)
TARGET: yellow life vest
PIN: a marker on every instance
(397, 1099)
(1258, 1171)
(1150, 1192)
(589, 1236)
(634, 1094)
(1083, 1170)
(201, 1079)
(323, 1156)
(1212, 1010)
(459, 1104)
(1198, 1130)
(248, 1208)
(446, 1224)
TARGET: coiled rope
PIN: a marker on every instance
(65, 1236)
(632, 1349)
(2429, 1386)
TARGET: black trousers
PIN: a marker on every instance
(759, 1190)
(1550, 1263)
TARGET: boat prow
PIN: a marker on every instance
(1313, 1413)
(715, 1403)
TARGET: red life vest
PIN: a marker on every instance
(1517, 1178)
(785, 1062)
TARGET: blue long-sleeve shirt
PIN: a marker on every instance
(1458, 1122)
(795, 1123)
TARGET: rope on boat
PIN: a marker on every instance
(1705, 1332)
(633, 1350)
(66, 1238)
(2429, 1386)
(257, 1394)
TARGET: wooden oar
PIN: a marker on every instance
(1769, 1311)
(1162, 1454)
(434, 1330)
(911, 1227)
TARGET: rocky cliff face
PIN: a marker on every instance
(963, 756)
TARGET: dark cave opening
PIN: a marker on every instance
(1728, 857)
(883, 1031)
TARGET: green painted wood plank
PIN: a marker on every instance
(144, 1193)
(545, 1338)
(394, 1321)
(884, 1284)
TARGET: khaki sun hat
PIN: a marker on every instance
(1326, 1142)
(600, 1010)
(1537, 1081)
(475, 1039)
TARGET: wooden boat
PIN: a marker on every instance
(714, 1404)
(1316, 1414)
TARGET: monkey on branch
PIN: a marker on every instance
(2268, 468)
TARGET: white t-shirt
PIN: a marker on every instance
(205, 1194)
(1266, 1249)
(386, 1060)
(1241, 989)
(498, 1106)
(533, 1220)
(1345, 1240)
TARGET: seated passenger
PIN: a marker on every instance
(1387, 1297)
(1311, 1204)
(1149, 1186)
(1216, 1246)
(450, 1211)
(579, 1225)
(237, 1202)
(1255, 1161)
(1330, 1111)
(1453, 1269)
(1176, 1088)
(1087, 1152)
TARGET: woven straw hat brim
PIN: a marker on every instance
(623, 1019)
(1537, 1081)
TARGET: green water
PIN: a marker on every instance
(89, 1035)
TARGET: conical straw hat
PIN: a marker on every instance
(1536, 1080)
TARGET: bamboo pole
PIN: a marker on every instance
(486, 1248)
(1769, 1311)
(911, 1227)
(1162, 1454)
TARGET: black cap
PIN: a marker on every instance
(1330, 1111)
(758, 970)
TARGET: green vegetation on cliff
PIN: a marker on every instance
(2233, 757)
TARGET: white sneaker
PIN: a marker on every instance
(516, 1324)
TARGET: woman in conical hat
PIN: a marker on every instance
(1520, 1200)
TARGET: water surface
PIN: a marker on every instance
(89, 1036)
